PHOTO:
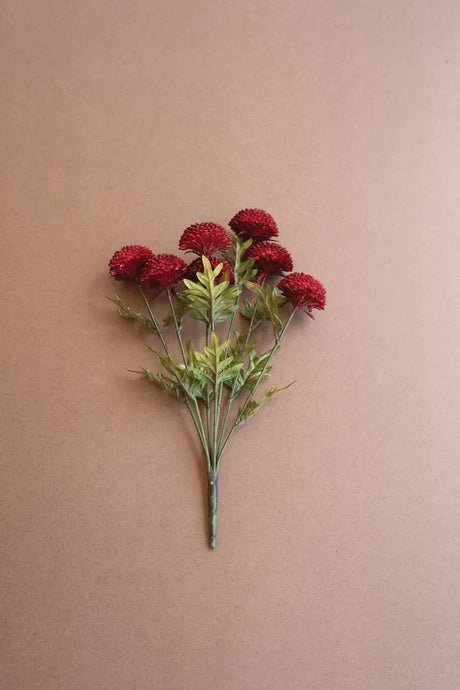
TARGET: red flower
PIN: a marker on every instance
(205, 238)
(270, 259)
(197, 266)
(252, 223)
(128, 262)
(303, 291)
(163, 271)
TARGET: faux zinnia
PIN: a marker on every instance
(270, 259)
(163, 271)
(217, 377)
(254, 224)
(128, 262)
(303, 291)
(205, 238)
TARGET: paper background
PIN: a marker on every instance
(338, 557)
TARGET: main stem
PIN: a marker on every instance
(213, 499)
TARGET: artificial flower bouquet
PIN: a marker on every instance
(241, 275)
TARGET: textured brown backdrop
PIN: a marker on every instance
(338, 561)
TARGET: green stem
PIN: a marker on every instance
(259, 379)
(154, 321)
(177, 327)
(208, 402)
(201, 431)
(213, 499)
(232, 393)
(216, 414)
(196, 417)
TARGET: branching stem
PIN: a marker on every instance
(232, 393)
(188, 398)
(259, 379)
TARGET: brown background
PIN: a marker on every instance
(338, 558)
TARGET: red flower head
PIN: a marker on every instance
(252, 223)
(163, 271)
(303, 291)
(205, 238)
(270, 259)
(128, 262)
(197, 266)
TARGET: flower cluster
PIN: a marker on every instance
(139, 264)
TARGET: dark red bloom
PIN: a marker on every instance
(197, 267)
(163, 271)
(128, 262)
(205, 238)
(255, 224)
(270, 259)
(303, 291)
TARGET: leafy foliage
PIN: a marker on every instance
(185, 375)
(217, 364)
(253, 372)
(165, 382)
(249, 409)
(131, 315)
(266, 307)
(202, 372)
(206, 300)
(243, 268)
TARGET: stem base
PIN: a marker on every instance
(213, 499)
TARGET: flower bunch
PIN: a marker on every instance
(210, 379)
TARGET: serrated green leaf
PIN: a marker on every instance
(215, 365)
(243, 269)
(248, 410)
(206, 300)
(266, 307)
(253, 372)
(129, 314)
(164, 382)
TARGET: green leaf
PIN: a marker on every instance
(186, 378)
(206, 300)
(254, 371)
(267, 305)
(131, 315)
(165, 382)
(215, 365)
(243, 269)
(248, 410)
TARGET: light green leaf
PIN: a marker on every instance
(165, 382)
(129, 314)
(242, 269)
(248, 410)
(206, 300)
(267, 304)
